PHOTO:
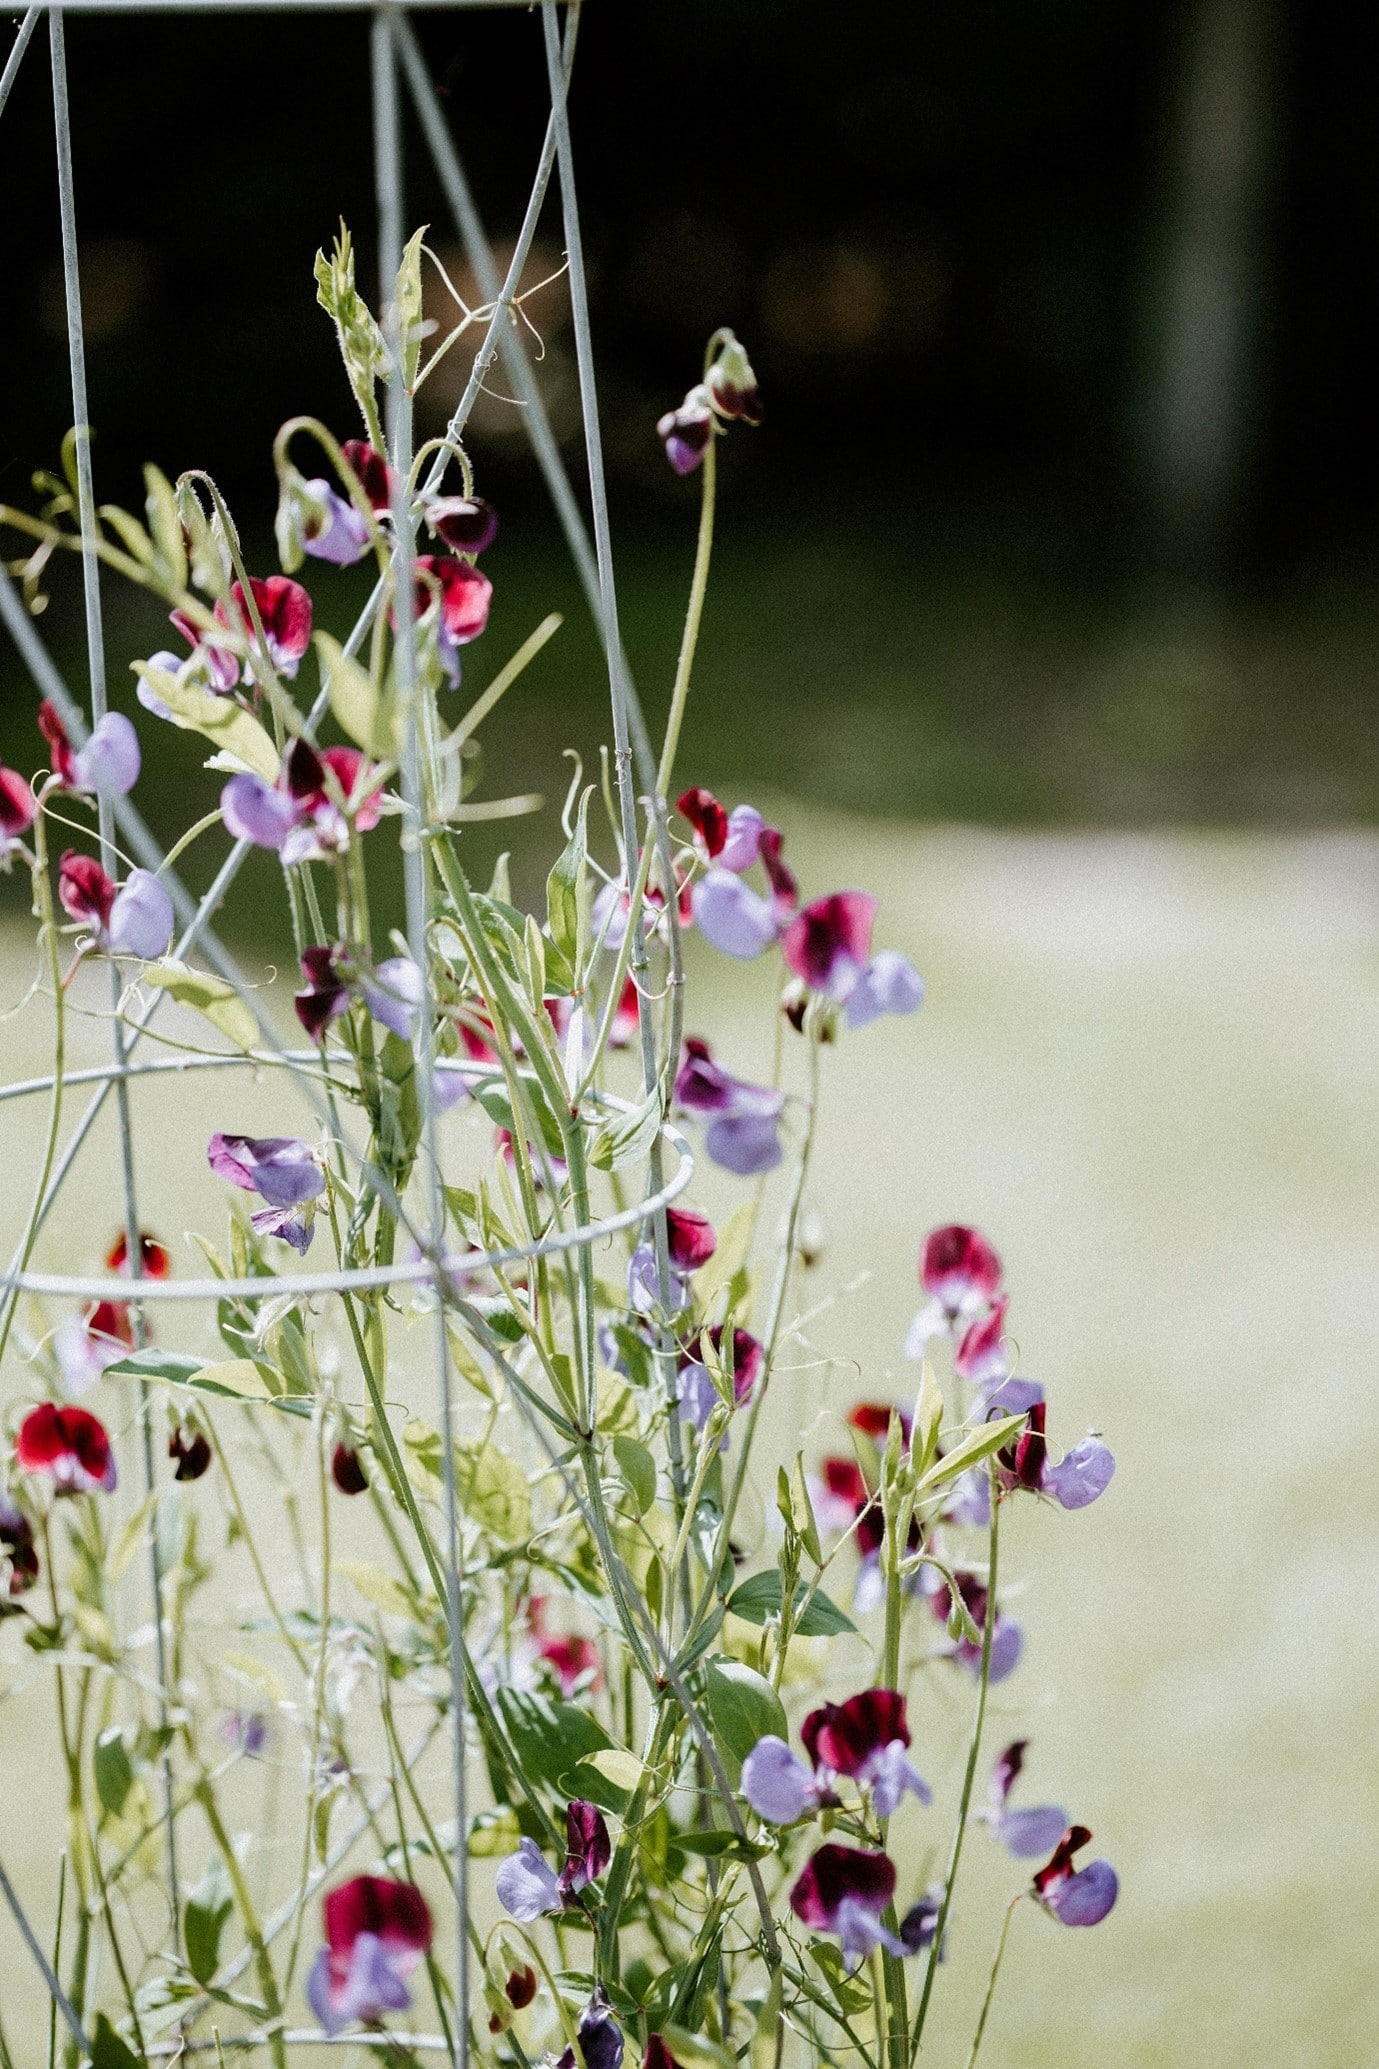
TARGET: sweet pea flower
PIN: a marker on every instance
(732, 384)
(70, 1446)
(282, 1170)
(376, 1932)
(346, 1469)
(18, 810)
(864, 1739)
(134, 920)
(980, 1356)
(574, 1661)
(600, 2037)
(685, 432)
(467, 524)
(1007, 1638)
(329, 525)
(394, 992)
(961, 1273)
(327, 995)
(284, 609)
(526, 1884)
(743, 1131)
(299, 814)
(460, 597)
(108, 765)
(695, 1390)
(190, 1452)
(373, 473)
(1081, 1897)
(1024, 1833)
(844, 1890)
(690, 1243)
(155, 1259)
(19, 1551)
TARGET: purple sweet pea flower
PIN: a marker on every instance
(734, 919)
(1076, 1898)
(743, 1126)
(1007, 1638)
(695, 1389)
(600, 2038)
(282, 1170)
(526, 1883)
(645, 1293)
(890, 983)
(141, 918)
(864, 1739)
(776, 1782)
(1024, 1833)
(1080, 1476)
(332, 529)
(685, 432)
(844, 1891)
(376, 1933)
(394, 994)
(109, 762)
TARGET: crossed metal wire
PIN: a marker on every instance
(394, 53)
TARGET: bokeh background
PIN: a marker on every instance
(1045, 606)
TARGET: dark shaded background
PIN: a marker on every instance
(1065, 506)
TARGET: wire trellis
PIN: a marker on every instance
(396, 60)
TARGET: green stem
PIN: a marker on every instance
(950, 1879)
(253, 1930)
(43, 904)
(991, 1979)
(693, 618)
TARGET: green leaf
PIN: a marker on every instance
(230, 729)
(208, 1908)
(628, 1139)
(638, 1468)
(213, 997)
(742, 1705)
(852, 1994)
(407, 302)
(712, 1845)
(234, 1379)
(490, 1483)
(928, 1419)
(361, 710)
(493, 1098)
(113, 1770)
(108, 2051)
(761, 1597)
(990, 1437)
(695, 2051)
(549, 1737)
(567, 892)
(165, 526)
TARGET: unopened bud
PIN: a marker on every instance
(732, 385)
(685, 432)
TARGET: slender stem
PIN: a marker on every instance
(969, 1777)
(690, 639)
(57, 1995)
(991, 1979)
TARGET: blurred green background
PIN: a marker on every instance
(1045, 606)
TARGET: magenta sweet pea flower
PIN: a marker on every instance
(18, 810)
(843, 1890)
(284, 609)
(695, 1390)
(1024, 1833)
(980, 1356)
(828, 943)
(685, 432)
(70, 1446)
(691, 1238)
(691, 1243)
(374, 475)
(459, 595)
(134, 920)
(283, 1171)
(108, 765)
(306, 814)
(376, 1931)
(528, 1887)
(961, 1273)
(1081, 1897)
(743, 1131)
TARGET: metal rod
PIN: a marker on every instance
(55, 1989)
(17, 50)
(95, 658)
(389, 178)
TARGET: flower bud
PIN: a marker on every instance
(685, 432)
(732, 385)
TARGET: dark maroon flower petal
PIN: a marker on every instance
(706, 816)
(589, 1847)
(1005, 1772)
(836, 1872)
(958, 1265)
(60, 752)
(375, 475)
(1032, 1449)
(302, 772)
(844, 1736)
(326, 995)
(520, 1987)
(346, 1470)
(191, 1451)
(1059, 1865)
(828, 943)
(784, 887)
(466, 523)
(658, 2055)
